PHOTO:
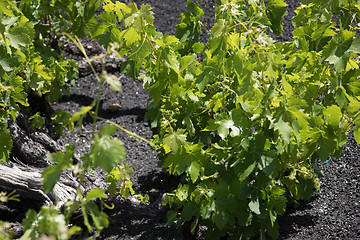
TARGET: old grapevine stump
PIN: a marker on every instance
(26, 181)
(29, 158)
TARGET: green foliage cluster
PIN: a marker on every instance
(31, 64)
(28, 65)
(243, 127)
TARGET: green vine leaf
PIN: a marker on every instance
(95, 193)
(218, 28)
(52, 174)
(106, 153)
(284, 129)
(100, 219)
(275, 12)
(19, 37)
(254, 206)
(6, 145)
(174, 141)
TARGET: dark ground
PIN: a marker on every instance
(333, 213)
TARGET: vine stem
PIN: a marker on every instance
(134, 135)
(101, 79)
(347, 128)
(77, 42)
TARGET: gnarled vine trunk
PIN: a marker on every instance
(29, 157)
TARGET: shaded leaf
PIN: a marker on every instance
(275, 12)
(175, 140)
(284, 129)
(6, 145)
(19, 37)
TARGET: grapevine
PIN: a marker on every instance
(241, 119)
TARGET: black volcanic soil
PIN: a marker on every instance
(333, 213)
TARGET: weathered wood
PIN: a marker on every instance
(112, 64)
(27, 150)
(27, 183)
(30, 156)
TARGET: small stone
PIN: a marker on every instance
(114, 107)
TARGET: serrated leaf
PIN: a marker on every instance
(337, 52)
(190, 210)
(254, 206)
(268, 163)
(224, 127)
(220, 217)
(279, 203)
(245, 168)
(126, 189)
(353, 84)
(355, 45)
(275, 12)
(5, 59)
(354, 104)
(129, 68)
(30, 217)
(333, 115)
(131, 36)
(195, 9)
(218, 28)
(207, 209)
(357, 133)
(112, 187)
(301, 117)
(107, 130)
(192, 96)
(180, 161)
(120, 9)
(189, 125)
(288, 89)
(326, 147)
(284, 129)
(340, 97)
(147, 14)
(171, 217)
(51, 174)
(175, 140)
(182, 192)
(187, 61)
(5, 7)
(95, 193)
(106, 153)
(278, 200)
(19, 37)
(37, 121)
(170, 39)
